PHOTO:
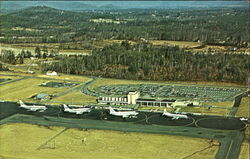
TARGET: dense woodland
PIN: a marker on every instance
(148, 63)
(3, 68)
(43, 24)
(140, 60)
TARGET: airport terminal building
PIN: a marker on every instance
(133, 97)
(130, 99)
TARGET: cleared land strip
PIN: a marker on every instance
(55, 79)
(53, 137)
(45, 78)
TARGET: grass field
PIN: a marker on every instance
(22, 141)
(244, 152)
(227, 104)
(182, 44)
(24, 89)
(8, 77)
(17, 48)
(67, 77)
(10, 73)
(212, 111)
(243, 110)
(75, 97)
(245, 146)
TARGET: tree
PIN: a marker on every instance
(45, 55)
(146, 69)
(23, 54)
(126, 44)
(38, 52)
(28, 54)
(20, 58)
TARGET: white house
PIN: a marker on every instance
(51, 73)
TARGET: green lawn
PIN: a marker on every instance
(22, 141)
(243, 110)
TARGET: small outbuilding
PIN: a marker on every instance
(51, 73)
(42, 96)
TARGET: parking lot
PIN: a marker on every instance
(207, 93)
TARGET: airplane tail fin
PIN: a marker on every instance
(65, 107)
(165, 111)
(111, 110)
(21, 103)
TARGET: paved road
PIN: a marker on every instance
(236, 104)
(15, 80)
(87, 91)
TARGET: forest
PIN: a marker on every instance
(145, 62)
(47, 25)
(140, 60)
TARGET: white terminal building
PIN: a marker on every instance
(133, 97)
(130, 99)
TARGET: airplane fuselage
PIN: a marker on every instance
(175, 116)
(34, 108)
(124, 114)
(78, 111)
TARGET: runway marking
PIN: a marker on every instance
(228, 150)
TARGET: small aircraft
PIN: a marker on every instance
(174, 116)
(124, 114)
(32, 107)
(76, 110)
(244, 119)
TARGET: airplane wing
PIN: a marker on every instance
(38, 109)
(125, 116)
(174, 118)
(79, 112)
(32, 109)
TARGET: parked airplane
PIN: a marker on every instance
(32, 107)
(76, 110)
(244, 119)
(124, 114)
(174, 116)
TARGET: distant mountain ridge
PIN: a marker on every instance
(72, 6)
(36, 10)
(8, 6)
